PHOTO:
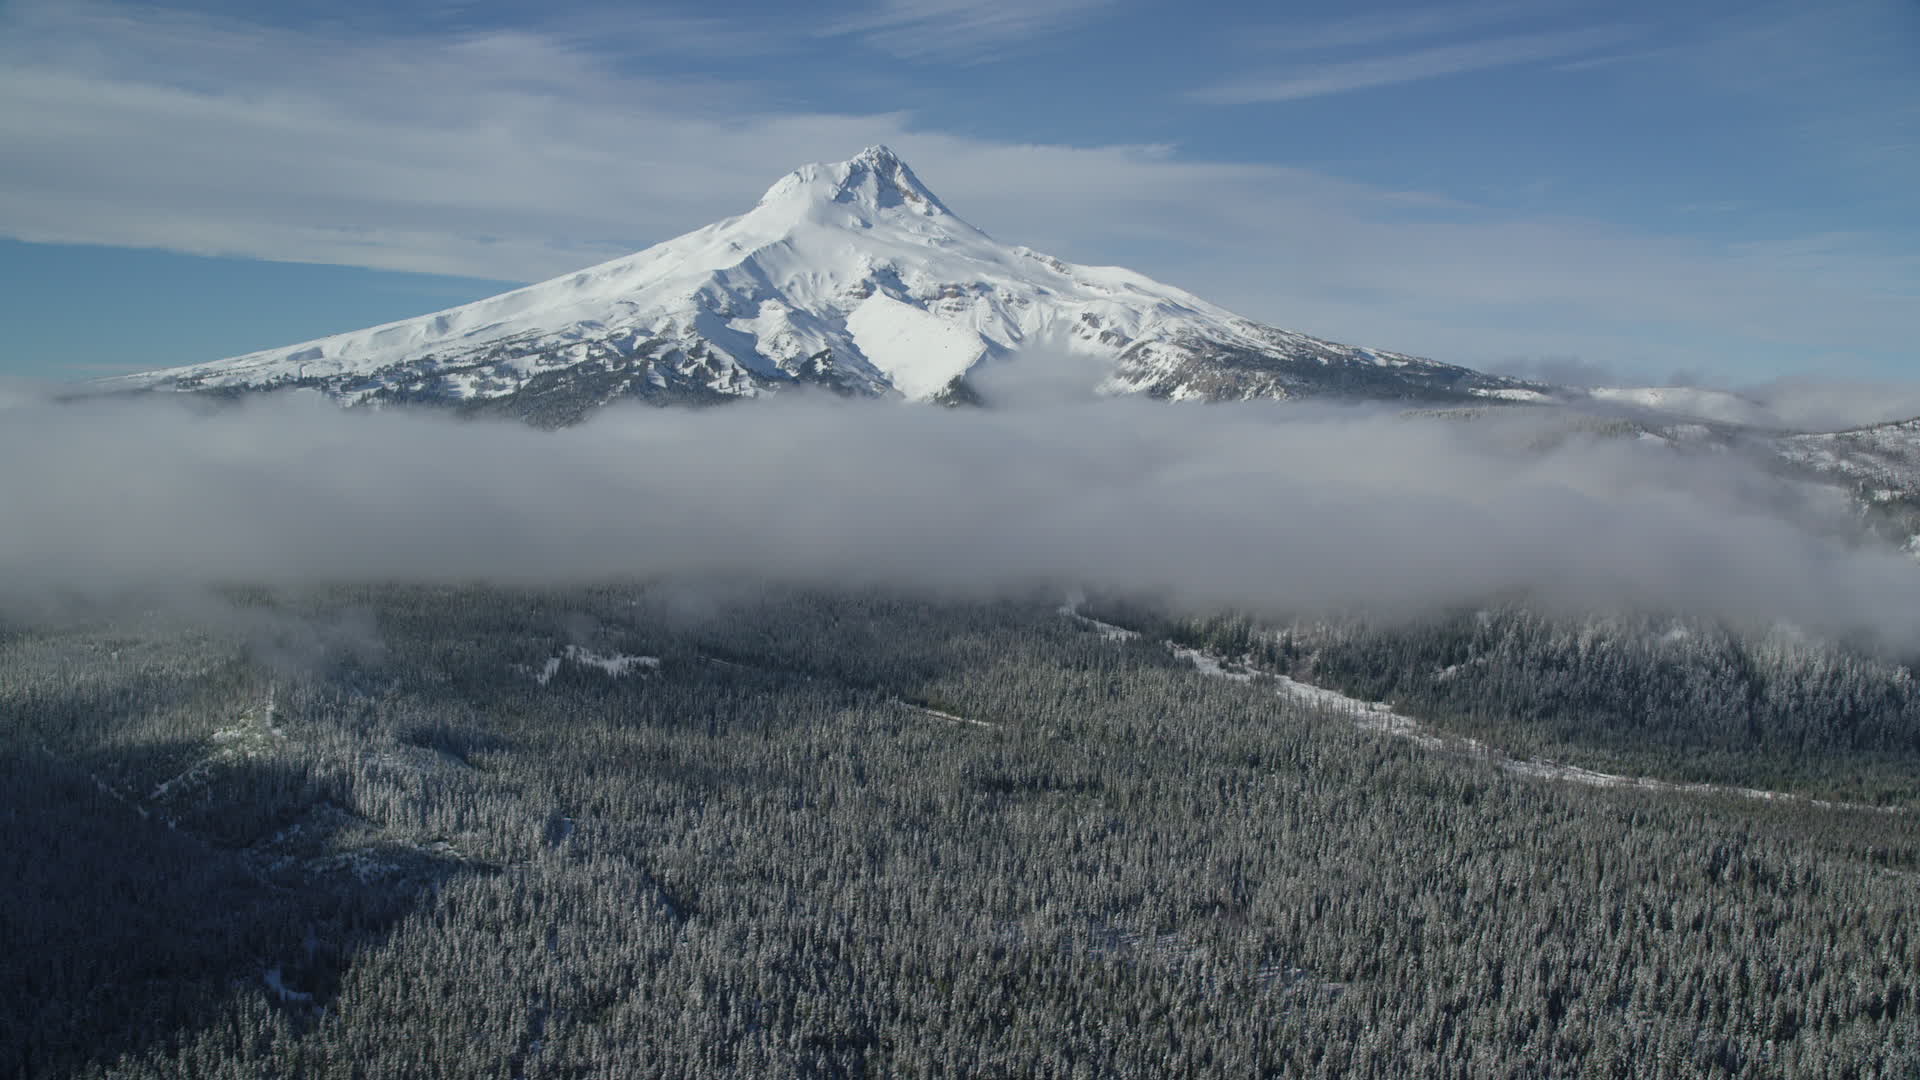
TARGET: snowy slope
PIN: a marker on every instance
(852, 276)
(1883, 458)
(920, 352)
(1879, 465)
(1694, 402)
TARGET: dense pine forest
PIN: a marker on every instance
(1680, 697)
(675, 831)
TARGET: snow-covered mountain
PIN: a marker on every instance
(853, 276)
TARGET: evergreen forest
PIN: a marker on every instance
(677, 830)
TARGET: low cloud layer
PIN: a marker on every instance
(1795, 403)
(1276, 508)
(1832, 405)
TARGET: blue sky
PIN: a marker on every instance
(1724, 190)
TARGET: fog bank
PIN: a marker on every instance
(1275, 507)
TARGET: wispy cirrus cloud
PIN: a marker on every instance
(1616, 59)
(1292, 82)
(1380, 27)
(961, 30)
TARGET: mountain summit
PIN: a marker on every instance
(851, 276)
(858, 190)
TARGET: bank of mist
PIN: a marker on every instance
(1262, 506)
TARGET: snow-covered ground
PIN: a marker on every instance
(1378, 717)
(1720, 406)
(919, 352)
(1367, 715)
(1509, 393)
(1071, 609)
(947, 716)
(1886, 456)
(615, 665)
